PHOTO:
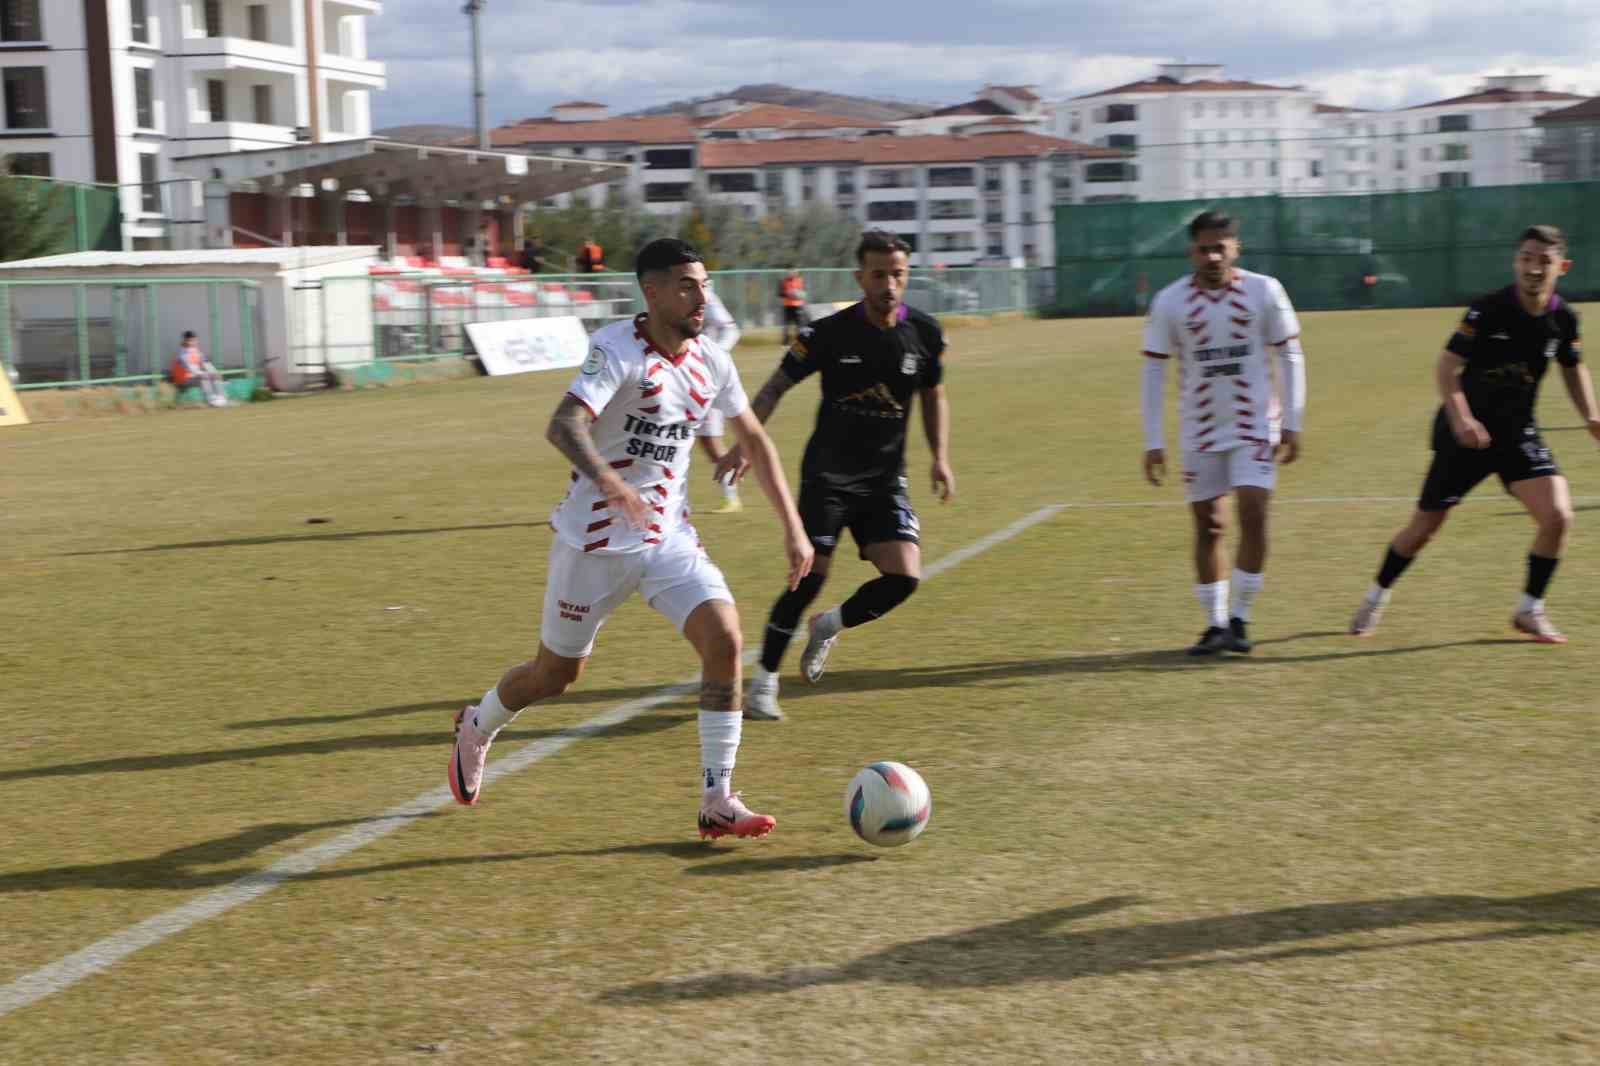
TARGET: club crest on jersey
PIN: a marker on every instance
(1550, 348)
(908, 363)
(596, 360)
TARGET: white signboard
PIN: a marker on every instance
(525, 344)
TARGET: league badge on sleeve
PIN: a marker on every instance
(595, 362)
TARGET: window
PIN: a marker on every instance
(950, 177)
(1129, 141)
(733, 183)
(1222, 138)
(954, 242)
(213, 18)
(1349, 155)
(991, 179)
(1249, 168)
(139, 20)
(994, 243)
(261, 103)
(669, 159)
(1372, 155)
(1455, 123)
(889, 179)
(30, 164)
(19, 21)
(1272, 169)
(25, 100)
(1122, 113)
(910, 239)
(1027, 187)
(1111, 172)
(1200, 170)
(258, 22)
(1427, 154)
(667, 192)
(775, 184)
(217, 99)
(952, 209)
(1399, 160)
(1076, 122)
(1454, 179)
(144, 104)
(892, 211)
(1315, 166)
(1456, 152)
(844, 182)
(993, 214)
(149, 191)
(1027, 218)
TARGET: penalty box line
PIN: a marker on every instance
(108, 951)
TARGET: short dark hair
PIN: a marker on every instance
(879, 240)
(664, 253)
(1550, 235)
(188, 334)
(1217, 220)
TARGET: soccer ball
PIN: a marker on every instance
(888, 804)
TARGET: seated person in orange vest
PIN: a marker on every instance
(591, 258)
(792, 295)
(191, 367)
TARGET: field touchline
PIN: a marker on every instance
(107, 952)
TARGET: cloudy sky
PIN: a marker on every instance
(636, 53)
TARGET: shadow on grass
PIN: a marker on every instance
(1031, 949)
(577, 695)
(440, 738)
(216, 862)
(1109, 663)
(297, 538)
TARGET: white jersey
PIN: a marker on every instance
(1224, 340)
(647, 407)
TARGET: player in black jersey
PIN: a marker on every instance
(1488, 377)
(874, 358)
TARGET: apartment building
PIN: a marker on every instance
(113, 91)
(1569, 149)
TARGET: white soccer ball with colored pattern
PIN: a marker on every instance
(888, 804)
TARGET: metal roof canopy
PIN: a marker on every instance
(395, 170)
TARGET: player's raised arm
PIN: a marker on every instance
(754, 442)
(569, 433)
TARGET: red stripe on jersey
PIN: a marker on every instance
(697, 398)
(668, 471)
(650, 392)
(600, 505)
(653, 368)
(650, 410)
(1240, 322)
(601, 543)
(661, 489)
(620, 464)
(586, 407)
(603, 523)
(1193, 296)
(1202, 388)
(1203, 404)
(1240, 337)
(1208, 416)
(654, 528)
(1195, 327)
(699, 377)
(662, 511)
(1240, 306)
(651, 540)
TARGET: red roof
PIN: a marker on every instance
(971, 107)
(1498, 96)
(643, 129)
(1172, 85)
(888, 151)
(1589, 109)
(780, 116)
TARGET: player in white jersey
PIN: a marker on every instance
(1221, 323)
(626, 424)
(724, 332)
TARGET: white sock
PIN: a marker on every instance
(829, 622)
(491, 715)
(1529, 604)
(1214, 602)
(1246, 586)
(1378, 594)
(719, 745)
(730, 491)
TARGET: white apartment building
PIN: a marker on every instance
(1487, 137)
(1198, 134)
(112, 91)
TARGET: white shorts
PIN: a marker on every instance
(582, 589)
(712, 425)
(1207, 475)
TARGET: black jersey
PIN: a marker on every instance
(868, 378)
(1507, 352)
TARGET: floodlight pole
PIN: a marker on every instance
(472, 9)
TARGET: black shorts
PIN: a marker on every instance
(794, 316)
(871, 517)
(1515, 455)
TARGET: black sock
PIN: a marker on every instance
(783, 620)
(1540, 568)
(1394, 564)
(876, 598)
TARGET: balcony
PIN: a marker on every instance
(238, 53)
(242, 136)
(366, 73)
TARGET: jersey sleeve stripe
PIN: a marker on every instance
(586, 407)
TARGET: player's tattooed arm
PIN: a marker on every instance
(766, 400)
(569, 432)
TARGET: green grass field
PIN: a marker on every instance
(1333, 851)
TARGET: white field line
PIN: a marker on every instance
(107, 952)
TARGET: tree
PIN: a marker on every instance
(28, 223)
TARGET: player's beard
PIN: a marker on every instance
(691, 328)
